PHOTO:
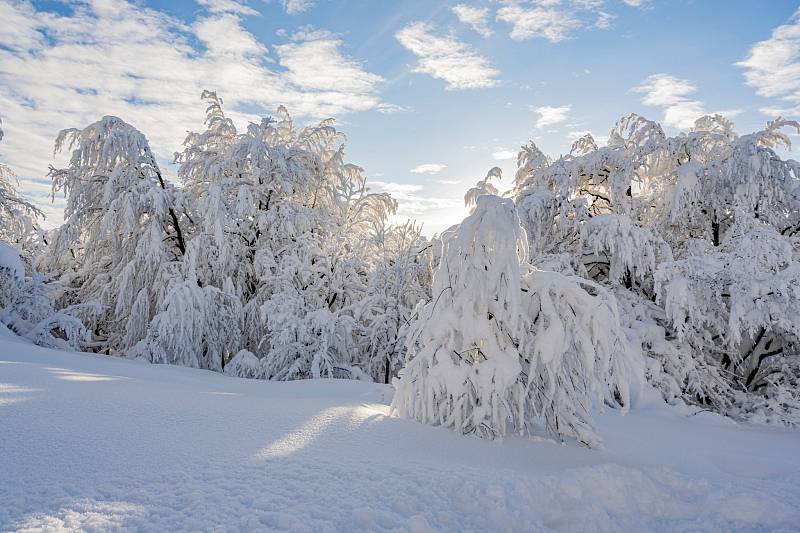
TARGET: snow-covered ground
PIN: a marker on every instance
(98, 443)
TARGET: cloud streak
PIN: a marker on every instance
(446, 58)
(410, 201)
(428, 168)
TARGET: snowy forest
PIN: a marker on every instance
(671, 262)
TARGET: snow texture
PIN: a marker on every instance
(102, 444)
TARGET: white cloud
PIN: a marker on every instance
(449, 182)
(502, 155)
(227, 6)
(409, 200)
(314, 62)
(59, 71)
(555, 20)
(428, 168)
(540, 20)
(476, 18)
(772, 67)
(295, 7)
(549, 115)
(447, 58)
(391, 109)
(673, 96)
(396, 188)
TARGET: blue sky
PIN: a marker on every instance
(431, 94)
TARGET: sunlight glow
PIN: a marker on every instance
(73, 375)
(11, 394)
(337, 418)
(83, 515)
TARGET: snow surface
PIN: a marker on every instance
(98, 443)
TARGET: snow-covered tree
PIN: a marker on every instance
(696, 236)
(17, 216)
(483, 186)
(501, 345)
(122, 238)
(398, 281)
(282, 225)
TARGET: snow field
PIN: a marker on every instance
(97, 444)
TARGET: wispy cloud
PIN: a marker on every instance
(428, 168)
(476, 18)
(295, 7)
(390, 109)
(549, 115)
(555, 20)
(313, 61)
(772, 67)
(227, 6)
(446, 58)
(538, 20)
(60, 71)
(410, 201)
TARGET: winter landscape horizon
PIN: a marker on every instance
(346, 265)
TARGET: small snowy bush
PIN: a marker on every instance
(503, 346)
(27, 306)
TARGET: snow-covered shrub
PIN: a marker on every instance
(576, 354)
(195, 326)
(27, 306)
(245, 365)
(501, 345)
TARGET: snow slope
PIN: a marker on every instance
(97, 443)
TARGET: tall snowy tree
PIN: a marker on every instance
(282, 225)
(122, 240)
